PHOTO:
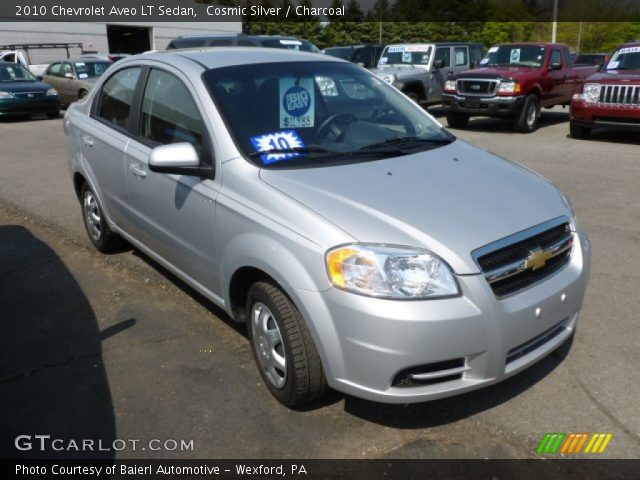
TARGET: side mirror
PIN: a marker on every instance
(68, 75)
(177, 158)
(438, 64)
(555, 66)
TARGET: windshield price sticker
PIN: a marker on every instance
(493, 49)
(297, 103)
(383, 60)
(406, 57)
(83, 75)
(484, 61)
(629, 50)
(612, 65)
(272, 142)
(515, 56)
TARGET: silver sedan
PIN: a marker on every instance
(366, 248)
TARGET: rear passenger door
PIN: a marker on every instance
(173, 214)
(103, 139)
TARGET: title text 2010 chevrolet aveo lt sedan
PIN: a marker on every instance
(366, 248)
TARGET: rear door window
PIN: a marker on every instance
(116, 97)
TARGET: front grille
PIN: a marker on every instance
(519, 261)
(620, 95)
(477, 87)
(28, 94)
(431, 373)
(535, 343)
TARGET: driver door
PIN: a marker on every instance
(172, 214)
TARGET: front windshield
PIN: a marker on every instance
(91, 69)
(12, 72)
(405, 54)
(293, 113)
(627, 58)
(514, 56)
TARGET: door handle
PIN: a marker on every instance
(137, 171)
(88, 141)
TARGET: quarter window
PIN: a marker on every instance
(116, 97)
(55, 69)
(169, 114)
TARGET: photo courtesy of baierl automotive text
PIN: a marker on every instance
(329, 238)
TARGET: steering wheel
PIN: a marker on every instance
(335, 124)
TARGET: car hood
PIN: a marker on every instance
(616, 76)
(450, 200)
(398, 70)
(503, 72)
(18, 87)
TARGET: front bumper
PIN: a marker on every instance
(366, 343)
(28, 107)
(618, 117)
(483, 106)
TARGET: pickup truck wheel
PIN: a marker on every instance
(457, 120)
(577, 131)
(413, 96)
(95, 223)
(528, 119)
(282, 346)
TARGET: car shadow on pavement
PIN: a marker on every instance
(611, 136)
(449, 410)
(52, 378)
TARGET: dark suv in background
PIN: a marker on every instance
(365, 55)
(242, 40)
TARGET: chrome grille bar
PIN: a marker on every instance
(620, 95)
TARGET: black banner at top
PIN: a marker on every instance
(320, 10)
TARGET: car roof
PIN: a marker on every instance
(236, 35)
(630, 44)
(217, 57)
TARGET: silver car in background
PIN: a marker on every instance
(367, 249)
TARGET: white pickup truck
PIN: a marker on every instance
(21, 57)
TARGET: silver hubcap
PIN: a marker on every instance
(92, 215)
(268, 344)
(531, 115)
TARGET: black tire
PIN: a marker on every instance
(524, 122)
(105, 239)
(82, 94)
(53, 114)
(457, 119)
(303, 379)
(413, 96)
(578, 131)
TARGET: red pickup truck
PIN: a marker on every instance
(610, 98)
(514, 80)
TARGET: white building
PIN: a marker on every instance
(102, 37)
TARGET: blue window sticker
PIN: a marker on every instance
(297, 102)
(272, 142)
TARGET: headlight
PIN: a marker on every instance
(52, 92)
(4, 95)
(450, 85)
(388, 77)
(591, 92)
(509, 87)
(390, 272)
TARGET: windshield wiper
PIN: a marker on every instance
(405, 141)
(284, 151)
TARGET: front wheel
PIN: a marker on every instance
(528, 119)
(282, 346)
(457, 120)
(577, 131)
(53, 114)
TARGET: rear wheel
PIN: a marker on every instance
(53, 114)
(82, 94)
(578, 131)
(528, 119)
(282, 346)
(95, 223)
(413, 96)
(457, 119)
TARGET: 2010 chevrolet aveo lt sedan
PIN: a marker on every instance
(367, 248)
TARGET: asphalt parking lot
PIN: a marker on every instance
(113, 346)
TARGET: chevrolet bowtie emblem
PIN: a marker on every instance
(537, 259)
